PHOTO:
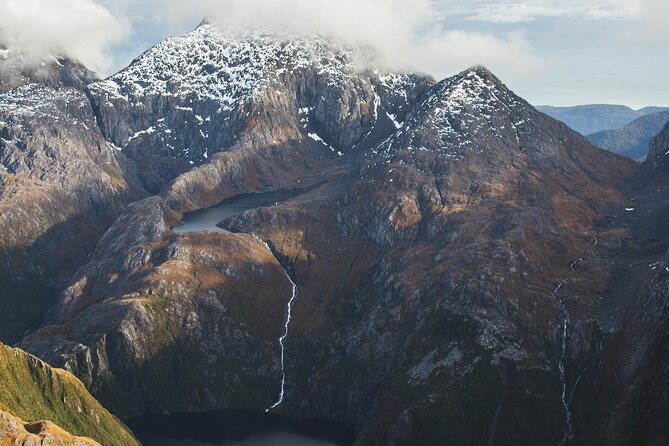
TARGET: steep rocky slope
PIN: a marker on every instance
(31, 391)
(61, 186)
(629, 392)
(631, 140)
(444, 261)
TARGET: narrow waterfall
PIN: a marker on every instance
(568, 433)
(566, 399)
(284, 337)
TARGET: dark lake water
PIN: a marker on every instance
(237, 428)
(208, 218)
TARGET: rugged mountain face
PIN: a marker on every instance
(246, 94)
(633, 139)
(31, 391)
(453, 242)
(186, 303)
(61, 186)
(449, 266)
(588, 119)
(456, 265)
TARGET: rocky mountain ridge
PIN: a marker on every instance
(185, 81)
(17, 432)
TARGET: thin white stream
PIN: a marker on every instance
(561, 365)
(563, 378)
(569, 429)
(282, 339)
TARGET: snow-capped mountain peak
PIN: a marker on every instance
(226, 64)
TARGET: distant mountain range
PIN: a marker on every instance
(616, 128)
(588, 119)
(632, 140)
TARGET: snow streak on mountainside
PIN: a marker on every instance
(38, 101)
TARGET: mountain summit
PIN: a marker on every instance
(193, 96)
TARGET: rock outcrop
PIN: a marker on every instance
(17, 432)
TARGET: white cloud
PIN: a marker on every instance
(655, 14)
(81, 29)
(413, 34)
(515, 12)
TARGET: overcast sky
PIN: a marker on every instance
(558, 52)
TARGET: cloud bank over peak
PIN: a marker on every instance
(533, 44)
(81, 29)
(407, 35)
